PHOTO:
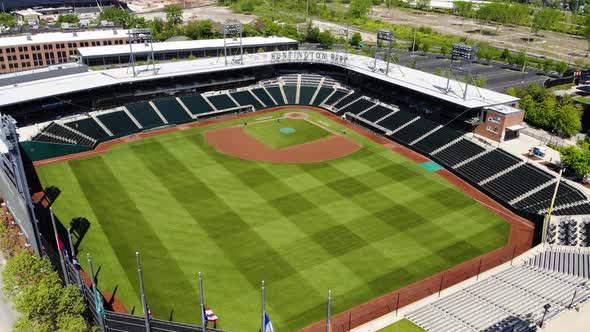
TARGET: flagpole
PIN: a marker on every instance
(72, 248)
(146, 314)
(95, 293)
(202, 299)
(328, 325)
(263, 306)
(61, 257)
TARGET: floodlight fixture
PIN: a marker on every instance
(463, 51)
(232, 28)
(385, 35)
(141, 35)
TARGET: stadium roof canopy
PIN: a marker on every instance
(205, 44)
(418, 81)
(54, 37)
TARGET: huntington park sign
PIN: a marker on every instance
(309, 56)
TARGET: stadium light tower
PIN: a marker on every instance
(141, 35)
(388, 36)
(232, 36)
(464, 54)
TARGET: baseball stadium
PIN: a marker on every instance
(310, 171)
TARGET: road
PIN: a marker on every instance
(7, 315)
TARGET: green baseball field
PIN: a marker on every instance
(361, 225)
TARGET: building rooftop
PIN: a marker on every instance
(504, 109)
(54, 37)
(412, 79)
(205, 44)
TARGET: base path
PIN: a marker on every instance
(234, 141)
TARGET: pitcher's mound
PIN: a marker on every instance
(234, 141)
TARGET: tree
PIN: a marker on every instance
(325, 38)
(7, 20)
(463, 8)
(545, 19)
(68, 18)
(568, 117)
(37, 292)
(356, 39)
(423, 4)
(359, 8)
(199, 29)
(576, 158)
(173, 15)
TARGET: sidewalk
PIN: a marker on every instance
(7, 314)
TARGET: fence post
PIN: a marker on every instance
(57, 243)
(397, 304)
(73, 249)
(146, 314)
(95, 294)
(441, 285)
(478, 270)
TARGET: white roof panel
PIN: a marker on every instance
(113, 50)
(425, 83)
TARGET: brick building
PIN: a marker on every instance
(500, 123)
(37, 50)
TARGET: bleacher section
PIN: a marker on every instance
(276, 94)
(517, 182)
(356, 107)
(347, 100)
(376, 113)
(61, 134)
(263, 96)
(305, 94)
(245, 98)
(196, 104)
(221, 101)
(437, 140)
(145, 115)
(118, 123)
(396, 120)
(291, 93)
(456, 153)
(487, 165)
(172, 110)
(416, 129)
(563, 260)
(88, 127)
(322, 95)
(519, 291)
(339, 94)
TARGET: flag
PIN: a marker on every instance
(210, 316)
(150, 315)
(267, 324)
(60, 245)
(76, 264)
(98, 302)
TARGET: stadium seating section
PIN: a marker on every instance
(505, 176)
(172, 110)
(145, 115)
(196, 104)
(118, 123)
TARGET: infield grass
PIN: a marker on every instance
(361, 225)
(269, 132)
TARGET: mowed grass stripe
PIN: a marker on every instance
(128, 232)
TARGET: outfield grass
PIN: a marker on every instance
(269, 133)
(403, 325)
(361, 225)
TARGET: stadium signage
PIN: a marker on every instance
(309, 56)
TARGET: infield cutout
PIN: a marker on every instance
(235, 141)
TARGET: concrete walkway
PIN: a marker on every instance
(7, 314)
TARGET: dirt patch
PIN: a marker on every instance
(234, 141)
(296, 115)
